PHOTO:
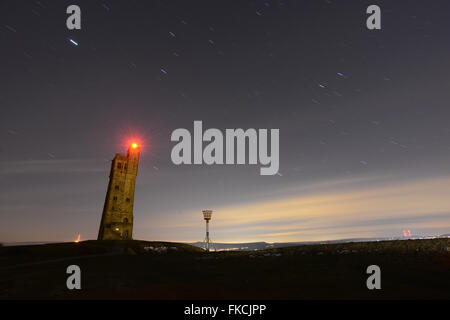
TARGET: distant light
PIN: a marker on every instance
(134, 145)
(75, 43)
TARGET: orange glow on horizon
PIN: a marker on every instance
(78, 238)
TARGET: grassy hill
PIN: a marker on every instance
(417, 269)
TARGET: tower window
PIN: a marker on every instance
(128, 200)
(119, 165)
(116, 187)
(112, 208)
(125, 220)
(114, 198)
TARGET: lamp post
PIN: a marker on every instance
(207, 216)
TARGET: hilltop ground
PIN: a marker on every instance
(410, 269)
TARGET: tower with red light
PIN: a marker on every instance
(117, 217)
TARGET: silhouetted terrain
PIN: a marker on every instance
(246, 246)
(417, 269)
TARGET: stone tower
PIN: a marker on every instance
(117, 217)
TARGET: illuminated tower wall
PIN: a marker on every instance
(117, 217)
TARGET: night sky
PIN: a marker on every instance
(363, 117)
